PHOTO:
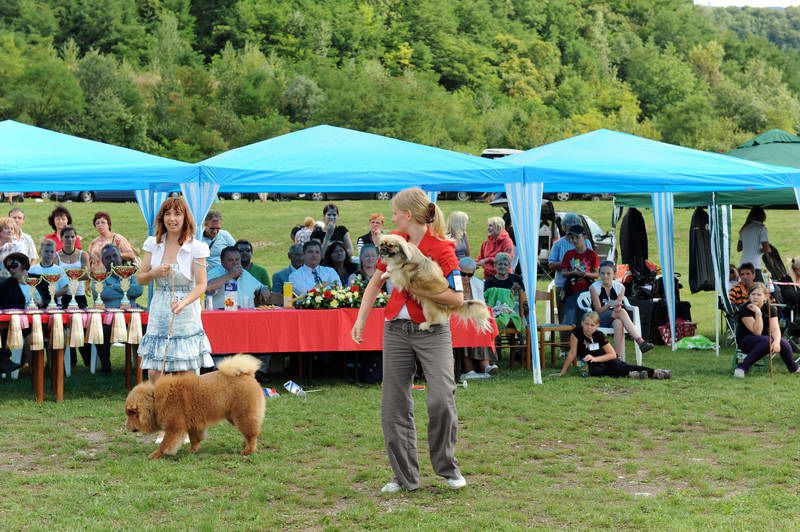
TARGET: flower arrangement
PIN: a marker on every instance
(325, 297)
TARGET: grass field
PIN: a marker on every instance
(700, 451)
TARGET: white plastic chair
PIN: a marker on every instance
(585, 304)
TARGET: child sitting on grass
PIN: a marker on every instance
(591, 346)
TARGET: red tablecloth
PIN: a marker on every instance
(290, 330)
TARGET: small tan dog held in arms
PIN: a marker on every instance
(190, 404)
(407, 267)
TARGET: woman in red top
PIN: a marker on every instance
(421, 223)
(58, 220)
(497, 241)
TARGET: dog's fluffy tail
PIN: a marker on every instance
(239, 365)
(477, 313)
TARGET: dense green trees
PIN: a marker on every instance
(191, 78)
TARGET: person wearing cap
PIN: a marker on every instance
(559, 249)
(496, 242)
(580, 269)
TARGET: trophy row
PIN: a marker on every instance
(124, 272)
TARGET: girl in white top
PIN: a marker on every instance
(72, 257)
(175, 341)
(608, 296)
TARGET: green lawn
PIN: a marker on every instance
(700, 451)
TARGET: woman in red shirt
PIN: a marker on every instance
(422, 224)
(497, 241)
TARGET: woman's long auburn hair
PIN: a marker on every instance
(179, 205)
(422, 210)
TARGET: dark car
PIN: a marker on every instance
(88, 196)
(324, 196)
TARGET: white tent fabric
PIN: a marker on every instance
(432, 196)
(525, 204)
(664, 220)
(199, 196)
(150, 202)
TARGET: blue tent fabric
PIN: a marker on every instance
(609, 161)
(33, 159)
(332, 159)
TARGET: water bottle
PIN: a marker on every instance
(231, 295)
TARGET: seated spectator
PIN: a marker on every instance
(8, 241)
(758, 332)
(13, 295)
(259, 272)
(337, 257)
(559, 249)
(579, 267)
(733, 277)
(740, 292)
(588, 344)
(25, 240)
(102, 223)
(303, 233)
(112, 290)
(331, 231)
(497, 241)
(295, 256)
(72, 257)
(59, 219)
(247, 287)
(376, 221)
(476, 362)
(112, 297)
(608, 296)
(503, 278)
(311, 274)
(47, 265)
(216, 237)
(367, 266)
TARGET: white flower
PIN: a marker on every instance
(334, 304)
(318, 299)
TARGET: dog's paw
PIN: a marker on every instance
(386, 275)
(246, 452)
(425, 325)
(155, 455)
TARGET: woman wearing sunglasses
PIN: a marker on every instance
(13, 294)
(476, 362)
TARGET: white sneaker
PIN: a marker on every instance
(456, 483)
(738, 373)
(391, 487)
(491, 369)
(473, 375)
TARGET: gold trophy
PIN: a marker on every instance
(52, 281)
(124, 272)
(99, 278)
(32, 282)
(74, 275)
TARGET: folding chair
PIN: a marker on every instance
(552, 328)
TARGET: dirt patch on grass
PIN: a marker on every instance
(15, 462)
(97, 443)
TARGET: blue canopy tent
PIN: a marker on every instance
(34, 159)
(609, 161)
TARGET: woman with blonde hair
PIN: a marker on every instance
(176, 261)
(457, 231)
(421, 222)
(303, 234)
(8, 241)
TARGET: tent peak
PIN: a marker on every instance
(769, 137)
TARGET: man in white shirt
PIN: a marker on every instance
(247, 286)
(28, 246)
(216, 238)
(311, 274)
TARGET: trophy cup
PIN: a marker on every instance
(52, 281)
(32, 282)
(74, 275)
(99, 278)
(124, 272)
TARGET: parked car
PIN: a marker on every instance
(324, 196)
(88, 196)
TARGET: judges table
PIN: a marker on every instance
(257, 331)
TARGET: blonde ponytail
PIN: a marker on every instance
(422, 210)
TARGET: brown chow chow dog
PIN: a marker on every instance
(188, 404)
(407, 267)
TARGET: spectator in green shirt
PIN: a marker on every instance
(259, 272)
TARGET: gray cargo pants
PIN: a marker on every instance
(403, 344)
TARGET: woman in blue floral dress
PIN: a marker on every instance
(175, 341)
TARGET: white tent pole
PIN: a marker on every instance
(663, 213)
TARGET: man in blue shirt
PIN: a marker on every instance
(216, 238)
(295, 261)
(311, 274)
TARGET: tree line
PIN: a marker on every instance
(190, 79)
